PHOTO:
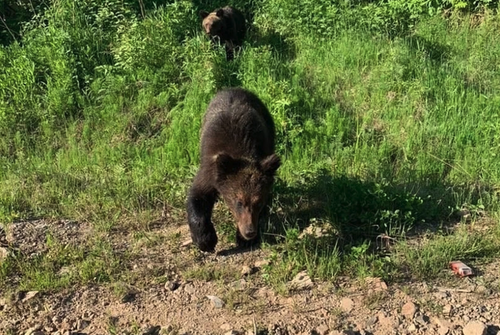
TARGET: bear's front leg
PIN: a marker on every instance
(200, 204)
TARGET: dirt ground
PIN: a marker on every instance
(163, 300)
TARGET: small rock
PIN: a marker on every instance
(412, 328)
(49, 329)
(346, 304)
(442, 323)
(371, 321)
(301, 281)
(262, 263)
(322, 330)
(29, 295)
(33, 330)
(189, 288)
(246, 270)
(475, 328)
(443, 330)
(238, 285)
(128, 297)
(82, 324)
(447, 309)
(386, 322)
(422, 319)
(377, 284)
(4, 253)
(65, 270)
(171, 285)
(441, 295)
(481, 289)
(216, 301)
(187, 243)
(150, 330)
(232, 332)
(225, 326)
(66, 324)
(409, 309)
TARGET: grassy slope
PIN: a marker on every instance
(100, 114)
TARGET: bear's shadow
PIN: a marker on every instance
(356, 210)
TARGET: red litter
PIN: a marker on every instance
(461, 269)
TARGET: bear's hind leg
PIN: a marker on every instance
(229, 51)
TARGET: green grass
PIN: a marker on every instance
(380, 130)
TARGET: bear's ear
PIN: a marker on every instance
(225, 165)
(220, 12)
(203, 14)
(270, 164)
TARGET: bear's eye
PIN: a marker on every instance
(239, 205)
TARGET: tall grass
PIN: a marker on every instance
(380, 130)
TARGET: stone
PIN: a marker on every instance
(29, 295)
(189, 288)
(150, 330)
(447, 309)
(171, 285)
(239, 285)
(225, 326)
(301, 281)
(82, 324)
(262, 263)
(216, 301)
(4, 253)
(346, 304)
(246, 270)
(371, 321)
(412, 328)
(386, 322)
(377, 284)
(186, 243)
(422, 319)
(475, 328)
(481, 289)
(322, 330)
(442, 323)
(441, 295)
(34, 330)
(409, 309)
(443, 330)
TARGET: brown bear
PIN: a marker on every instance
(237, 162)
(227, 25)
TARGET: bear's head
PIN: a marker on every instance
(212, 22)
(245, 187)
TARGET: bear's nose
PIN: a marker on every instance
(250, 233)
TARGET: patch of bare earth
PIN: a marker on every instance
(173, 289)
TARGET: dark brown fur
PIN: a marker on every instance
(238, 163)
(227, 25)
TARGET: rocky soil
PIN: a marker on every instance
(168, 302)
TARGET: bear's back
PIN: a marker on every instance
(237, 122)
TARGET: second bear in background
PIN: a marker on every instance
(226, 25)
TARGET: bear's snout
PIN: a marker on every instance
(249, 233)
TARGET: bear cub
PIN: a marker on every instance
(237, 163)
(227, 25)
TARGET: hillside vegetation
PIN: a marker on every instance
(387, 116)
